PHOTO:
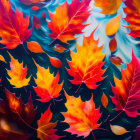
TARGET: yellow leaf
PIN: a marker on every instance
(86, 63)
(104, 100)
(118, 130)
(113, 25)
(47, 85)
(2, 58)
(17, 74)
(108, 6)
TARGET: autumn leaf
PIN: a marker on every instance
(86, 63)
(34, 47)
(108, 7)
(59, 48)
(46, 129)
(113, 25)
(35, 8)
(104, 100)
(55, 62)
(81, 116)
(132, 11)
(2, 59)
(47, 85)
(15, 117)
(36, 22)
(43, 15)
(13, 26)
(17, 74)
(118, 130)
(137, 133)
(116, 60)
(113, 45)
(68, 19)
(127, 91)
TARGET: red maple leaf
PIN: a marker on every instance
(132, 11)
(127, 91)
(13, 26)
(68, 19)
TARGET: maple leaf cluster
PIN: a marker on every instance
(62, 79)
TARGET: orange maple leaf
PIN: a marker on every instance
(81, 116)
(133, 17)
(17, 74)
(86, 64)
(45, 129)
(108, 6)
(47, 85)
(13, 26)
(68, 19)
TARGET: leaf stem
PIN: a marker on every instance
(78, 88)
(26, 122)
(107, 118)
(102, 129)
(31, 126)
(93, 135)
(116, 116)
(25, 49)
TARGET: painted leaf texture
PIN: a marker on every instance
(17, 74)
(13, 26)
(127, 91)
(81, 116)
(68, 19)
(14, 115)
(45, 129)
(108, 6)
(47, 85)
(86, 63)
(133, 17)
(69, 69)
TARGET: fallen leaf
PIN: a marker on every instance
(59, 48)
(2, 59)
(132, 11)
(81, 116)
(13, 26)
(35, 8)
(116, 60)
(36, 22)
(55, 62)
(104, 100)
(113, 45)
(46, 129)
(118, 130)
(47, 85)
(137, 133)
(34, 47)
(43, 15)
(67, 20)
(86, 63)
(108, 7)
(17, 74)
(113, 25)
(127, 91)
